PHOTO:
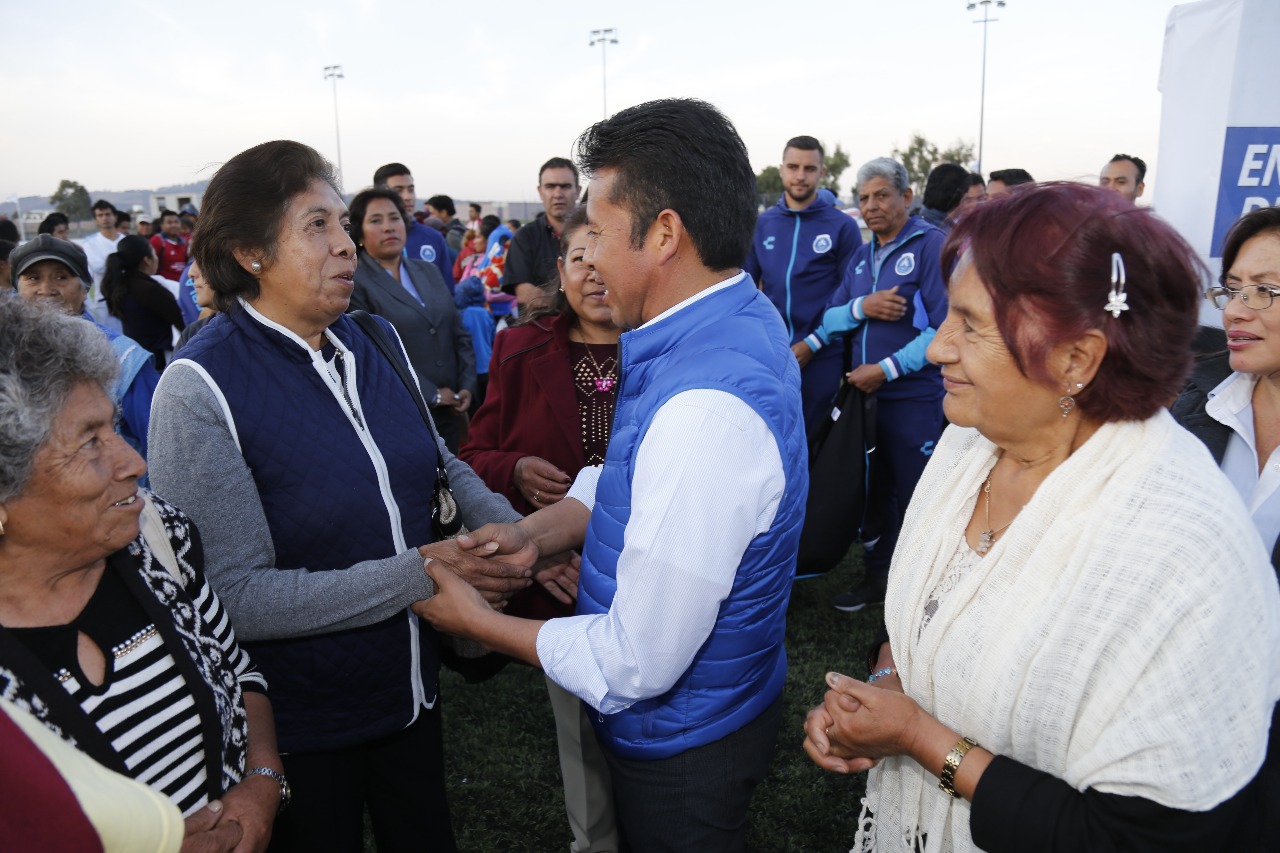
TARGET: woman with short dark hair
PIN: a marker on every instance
(412, 296)
(288, 434)
(147, 311)
(1232, 402)
(56, 224)
(1244, 379)
(1073, 569)
(547, 414)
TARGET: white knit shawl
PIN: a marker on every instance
(1121, 635)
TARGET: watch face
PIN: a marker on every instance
(286, 793)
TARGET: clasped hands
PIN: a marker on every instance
(476, 575)
(858, 724)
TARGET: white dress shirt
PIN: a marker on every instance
(708, 480)
(1231, 404)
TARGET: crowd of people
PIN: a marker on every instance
(266, 472)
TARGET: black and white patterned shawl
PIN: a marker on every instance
(200, 657)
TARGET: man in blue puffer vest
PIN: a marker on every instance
(893, 298)
(689, 530)
(800, 251)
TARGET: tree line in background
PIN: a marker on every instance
(72, 199)
(919, 158)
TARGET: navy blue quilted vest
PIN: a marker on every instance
(327, 511)
(731, 341)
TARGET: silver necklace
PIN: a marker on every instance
(987, 538)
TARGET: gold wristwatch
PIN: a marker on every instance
(947, 781)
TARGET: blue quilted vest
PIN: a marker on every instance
(326, 511)
(732, 341)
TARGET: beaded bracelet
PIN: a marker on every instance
(881, 673)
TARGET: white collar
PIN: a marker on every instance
(1231, 396)
(289, 333)
(701, 294)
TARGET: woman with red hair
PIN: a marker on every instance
(1074, 571)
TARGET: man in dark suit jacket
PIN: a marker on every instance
(438, 345)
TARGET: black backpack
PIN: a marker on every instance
(840, 471)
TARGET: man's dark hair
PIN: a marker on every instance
(102, 204)
(8, 231)
(489, 224)
(685, 155)
(945, 187)
(52, 221)
(804, 143)
(244, 209)
(123, 216)
(360, 206)
(6, 248)
(976, 180)
(1138, 163)
(559, 163)
(167, 212)
(514, 224)
(386, 173)
(476, 207)
(1012, 177)
(443, 202)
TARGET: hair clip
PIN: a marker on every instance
(1117, 300)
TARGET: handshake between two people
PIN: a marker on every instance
(477, 573)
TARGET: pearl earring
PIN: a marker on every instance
(256, 266)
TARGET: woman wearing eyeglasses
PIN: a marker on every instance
(1232, 404)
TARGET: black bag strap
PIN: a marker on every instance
(370, 326)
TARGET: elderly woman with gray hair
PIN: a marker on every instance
(109, 632)
(892, 300)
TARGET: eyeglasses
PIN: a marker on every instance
(1255, 296)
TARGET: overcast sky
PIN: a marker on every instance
(474, 96)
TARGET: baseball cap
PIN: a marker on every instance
(46, 247)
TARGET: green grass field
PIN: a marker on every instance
(504, 776)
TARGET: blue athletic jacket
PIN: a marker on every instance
(423, 243)
(799, 257)
(912, 262)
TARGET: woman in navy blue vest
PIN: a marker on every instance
(297, 448)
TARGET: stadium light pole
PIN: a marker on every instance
(982, 103)
(604, 38)
(334, 72)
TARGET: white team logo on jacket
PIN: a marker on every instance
(905, 264)
(428, 254)
(821, 243)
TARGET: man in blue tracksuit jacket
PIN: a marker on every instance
(893, 298)
(421, 243)
(798, 256)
